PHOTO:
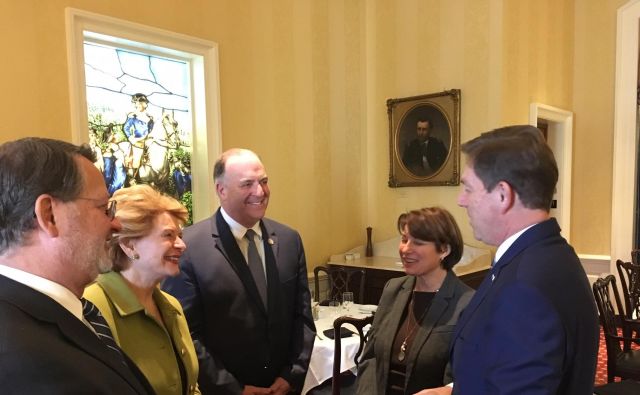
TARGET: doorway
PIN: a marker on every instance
(557, 125)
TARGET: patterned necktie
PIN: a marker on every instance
(100, 326)
(255, 265)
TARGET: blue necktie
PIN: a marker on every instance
(100, 326)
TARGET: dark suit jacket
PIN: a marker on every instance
(44, 349)
(238, 342)
(534, 328)
(427, 361)
(435, 152)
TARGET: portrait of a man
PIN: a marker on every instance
(425, 141)
(425, 154)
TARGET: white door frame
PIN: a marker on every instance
(560, 139)
(625, 136)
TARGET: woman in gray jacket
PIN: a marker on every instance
(408, 347)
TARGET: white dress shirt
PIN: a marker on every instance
(239, 232)
(55, 291)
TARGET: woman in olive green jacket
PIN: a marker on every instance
(148, 324)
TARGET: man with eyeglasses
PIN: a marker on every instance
(55, 220)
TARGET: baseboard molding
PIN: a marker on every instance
(595, 264)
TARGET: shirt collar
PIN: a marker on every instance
(55, 291)
(237, 229)
(508, 242)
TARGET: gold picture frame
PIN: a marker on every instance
(424, 140)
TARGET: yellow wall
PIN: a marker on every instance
(593, 103)
(304, 83)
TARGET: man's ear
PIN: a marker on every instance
(506, 195)
(45, 213)
(220, 190)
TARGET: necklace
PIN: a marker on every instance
(403, 346)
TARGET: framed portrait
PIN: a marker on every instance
(424, 139)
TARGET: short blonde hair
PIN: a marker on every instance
(136, 208)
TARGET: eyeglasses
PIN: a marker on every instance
(110, 211)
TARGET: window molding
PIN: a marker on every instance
(203, 58)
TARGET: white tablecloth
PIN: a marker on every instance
(321, 364)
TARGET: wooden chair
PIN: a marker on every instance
(338, 381)
(620, 362)
(629, 274)
(340, 279)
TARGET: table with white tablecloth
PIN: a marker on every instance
(321, 364)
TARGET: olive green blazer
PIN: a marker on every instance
(143, 339)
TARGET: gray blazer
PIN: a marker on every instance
(428, 358)
(237, 340)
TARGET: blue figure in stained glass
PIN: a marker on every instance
(137, 127)
(113, 159)
(182, 178)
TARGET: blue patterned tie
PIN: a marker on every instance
(99, 324)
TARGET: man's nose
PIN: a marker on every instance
(460, 200)
(259, 189)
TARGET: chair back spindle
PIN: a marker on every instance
(359, 324)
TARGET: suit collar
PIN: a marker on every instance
(55, 291)
(123, 298)
(45, 309)
(399, 305)
(238, 229)
(531, 236)
(438, 307)
(226, 243)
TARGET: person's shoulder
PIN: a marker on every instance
(436, 141)
(396, 283)
(172, 301)
(458, 289)
(95, 291)
(204, 225)
(273, 225)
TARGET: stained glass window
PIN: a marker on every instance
(140, 119)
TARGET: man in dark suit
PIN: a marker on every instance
(252, 327)
(424, 155)
(532, 326)
(55, 219)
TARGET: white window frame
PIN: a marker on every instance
(202, 56)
